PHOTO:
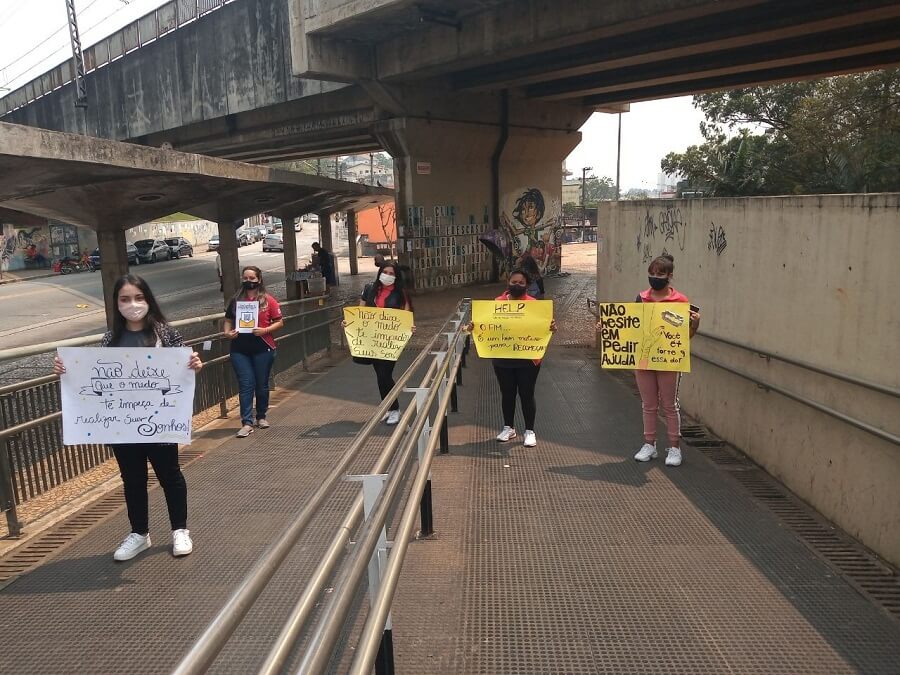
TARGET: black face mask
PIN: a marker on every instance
(658, 284)
(249, 285)
(516, 291)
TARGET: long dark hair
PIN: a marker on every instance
(399, 283)
(261, 294)
(529, 264)
(154, 319)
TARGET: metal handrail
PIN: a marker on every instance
(858, 381)
(837, 414)
(321, 645)
(369, 641)
(31, 350)
(215, 636)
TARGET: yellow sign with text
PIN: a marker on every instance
(511, 329)
(376, 332)
(645, 336)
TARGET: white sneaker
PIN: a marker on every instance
(134, 543)
(506, 434)
(673, 457)
(244, 431)
(393, 418)
(646, 453)
(181, 542)
(530, 439)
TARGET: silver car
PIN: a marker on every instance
(273, 242)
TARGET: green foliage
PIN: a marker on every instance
(839, 134)
(598, 189)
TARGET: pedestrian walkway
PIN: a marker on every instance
(25, 275)
(566, 558)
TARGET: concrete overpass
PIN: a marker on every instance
(478, 101)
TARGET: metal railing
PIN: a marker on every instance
(444, 357)
(33, 458)
(148, 28)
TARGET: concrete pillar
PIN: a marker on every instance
(351, 238)
(445, 191)
(113, 265)
(228, 250)
(292, 288)
(325, 230)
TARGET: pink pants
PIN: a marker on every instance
(660, 388)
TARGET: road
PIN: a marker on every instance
(60, 307)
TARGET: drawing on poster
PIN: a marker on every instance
(247, 312)
(645, 336)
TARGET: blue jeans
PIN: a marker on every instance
(253, 372)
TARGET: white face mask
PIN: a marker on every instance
(388, 279)
(134, 311)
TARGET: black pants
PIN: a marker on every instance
(384, 371)
(519, 381)
(132, 459)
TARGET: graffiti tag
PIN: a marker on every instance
(717, 241)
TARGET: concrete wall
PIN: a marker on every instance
(812, 278)
(233, 60)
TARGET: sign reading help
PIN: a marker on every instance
(376, 332)
(512, 329)
(126, 395)
(645, 336)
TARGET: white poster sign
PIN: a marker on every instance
(247, 315)
(126, 395)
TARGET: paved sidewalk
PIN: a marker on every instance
(26, 275)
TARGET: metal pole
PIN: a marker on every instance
(384, 662)
(426, 517)
(618, 157)
(77, 57)
(7, 490)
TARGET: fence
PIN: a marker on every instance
(148, 28)
(33, 458)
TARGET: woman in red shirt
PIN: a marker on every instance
(252, 355)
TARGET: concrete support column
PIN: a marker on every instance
(351, 238)
(289, 237)
(325, 230)
(228, 250)
(113, 265)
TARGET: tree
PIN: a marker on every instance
(636, 193)
(839, 134)
(598, 189)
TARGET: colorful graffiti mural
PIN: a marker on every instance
(534, 228)
(24, 247)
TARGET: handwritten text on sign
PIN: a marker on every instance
(645, 336)
(377, 333)
(126, 395)
(512, 329)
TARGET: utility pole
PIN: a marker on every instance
(77, 57)
(371, 168)
(618, 158)
(584, 171)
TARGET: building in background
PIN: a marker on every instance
(571, 191)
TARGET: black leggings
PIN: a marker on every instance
(384, 371)
(522, 381)
(132, 459)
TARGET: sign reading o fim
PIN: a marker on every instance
(533, 227)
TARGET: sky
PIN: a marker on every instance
(34, 39)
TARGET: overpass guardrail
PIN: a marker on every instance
(161, 21)
(33, 458)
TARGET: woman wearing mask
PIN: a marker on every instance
(518, 377)
(139, 322)
(252, 354)
(657, 387)
(388, 290)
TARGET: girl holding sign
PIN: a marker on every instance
(657, 387)
(388, 290)
(139, 322)
(253, 351)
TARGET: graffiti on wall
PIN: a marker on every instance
(534, 228)
(717, 241)
(24, 247)
(666, 227)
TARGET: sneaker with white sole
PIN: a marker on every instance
(530, 439)
(673, 457)
(393, 418)
(181, 542)
(134, 543)
(506, 434)
(245, 431)
(646, 453)
(263, 423)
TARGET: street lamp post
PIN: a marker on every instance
(584, 171)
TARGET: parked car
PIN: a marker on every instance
(273, 242)
(130, 250)
(153, 250)
(180, 247)
(213, 243)
(243, 238)
(257, 233)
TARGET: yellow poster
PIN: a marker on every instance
(377, 333)
(645, 336)
(511, 329)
